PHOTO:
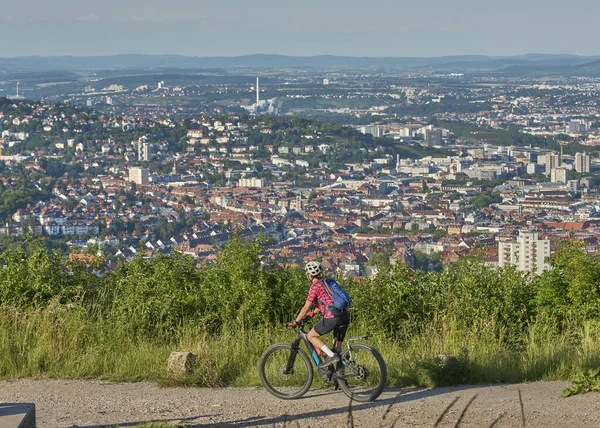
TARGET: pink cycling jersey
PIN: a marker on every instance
(319, 297)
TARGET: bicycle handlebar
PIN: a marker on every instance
(302, 322)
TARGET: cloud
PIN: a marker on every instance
(38, 18)
(135, 18)
(90, 17)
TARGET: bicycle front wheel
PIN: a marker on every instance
(284, 372)
(363, 373)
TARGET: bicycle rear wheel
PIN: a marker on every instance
(282, 379)
(363, 374)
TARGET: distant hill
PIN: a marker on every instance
(577, 68)
(516, 64)
(247, 61)
(588, 69)
(532, 62)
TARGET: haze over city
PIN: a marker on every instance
(353, 28)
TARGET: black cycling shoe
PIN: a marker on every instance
(329, 361)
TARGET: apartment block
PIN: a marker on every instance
(577, 126)
(559, 175)
(375, 131)
(528, 253)
(583, 162)
(552, 161)
(144, 152)
(252, 182)
(139, 175)
(433, 137)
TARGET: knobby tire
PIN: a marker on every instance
(348, 390)
(301, 358)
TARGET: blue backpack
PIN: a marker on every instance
(340, 298)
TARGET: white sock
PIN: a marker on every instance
(327, 351)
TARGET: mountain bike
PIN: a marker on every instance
(286, 371)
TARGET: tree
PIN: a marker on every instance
(485, 199)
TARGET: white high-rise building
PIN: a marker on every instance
(139, 175)
(257, 93)
(527, 253)
(374, 130)
(583, 162)
(559, 175)
(252, 182)
(144, 151)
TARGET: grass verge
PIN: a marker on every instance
(63, 342)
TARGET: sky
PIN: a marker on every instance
(375, 28)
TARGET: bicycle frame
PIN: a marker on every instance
(302, 337)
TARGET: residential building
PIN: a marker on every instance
(583, 162)
(144, 152)
(552, 161)
(528, 253)
(252, 182)
(433, 137)
(576, 126)
(139, 175)
(375, 131)
(559, 175)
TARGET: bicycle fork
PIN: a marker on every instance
(289, 368)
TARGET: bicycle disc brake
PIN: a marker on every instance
(361, 372)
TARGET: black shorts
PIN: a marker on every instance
(339, 325)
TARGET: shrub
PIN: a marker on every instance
(584, 382)
(444, 370)
(571, 289)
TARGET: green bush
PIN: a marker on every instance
(584, 382)
(66, 318)
(571, 289)
(444, 370)
(238, 291)
(472, 292)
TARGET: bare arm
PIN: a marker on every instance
(304, 310)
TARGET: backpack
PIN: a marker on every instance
(340, 298)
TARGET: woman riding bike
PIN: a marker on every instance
(334, 319)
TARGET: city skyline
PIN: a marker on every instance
(233, 28)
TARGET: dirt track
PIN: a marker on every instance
(90, 403)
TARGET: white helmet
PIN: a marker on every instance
(313, 268)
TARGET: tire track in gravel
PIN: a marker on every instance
(83, 403)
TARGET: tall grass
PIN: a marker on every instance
(61, 318)
(61, 341)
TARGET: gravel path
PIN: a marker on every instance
(69, 403)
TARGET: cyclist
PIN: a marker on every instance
(333, 318)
